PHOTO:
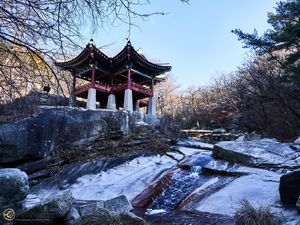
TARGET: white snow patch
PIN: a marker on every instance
(127, 179)
(31, 200)
(297, 141)
(191, 151)
(154, 211)
(195, 144)
(253, 188)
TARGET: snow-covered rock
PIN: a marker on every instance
(190, 151)
(259, 153)
(194, 160)
(127, 179)
(257, 190)
(195, 144)
(297, 141)
(118, 205)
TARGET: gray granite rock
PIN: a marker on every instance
(14, 186)
(105, 217)
(73, 217)
(50, 210)
(118, 205)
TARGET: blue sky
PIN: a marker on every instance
(194, 38)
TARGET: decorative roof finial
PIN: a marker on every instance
(91, 42)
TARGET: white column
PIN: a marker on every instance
(128, 105)
(111, 102)
(151, 106)
(91, 101)
(137, 106)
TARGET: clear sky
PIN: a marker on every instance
(194, 38)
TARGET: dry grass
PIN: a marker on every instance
(248, 215)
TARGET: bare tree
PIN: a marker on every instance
(42, 30)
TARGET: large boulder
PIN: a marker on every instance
(13, 190)
(117, 205)
(49, 210)
(298, 205)
(112, 211)
(35, 137)
(105, 217)
(289, 188)
(259, 153)
(14, 186)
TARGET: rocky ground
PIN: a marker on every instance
(136, 177)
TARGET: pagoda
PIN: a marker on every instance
(124, 81)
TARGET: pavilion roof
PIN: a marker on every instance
(128, 56)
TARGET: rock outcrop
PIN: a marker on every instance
(117, 205)
(104, 217)
(14, 189)
(258, 153)
(289, 188)
(48, 211)
(34, 138)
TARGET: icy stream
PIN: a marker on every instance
(197, 190)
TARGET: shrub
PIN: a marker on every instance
(248, 215)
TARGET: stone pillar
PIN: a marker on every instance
(128, 104)
(137, 106)
(91, 101)
(151, 106)
(111, 102)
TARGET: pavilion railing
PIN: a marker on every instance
(114, 89)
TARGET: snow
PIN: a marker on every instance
(31, 200)
(297, 141)
(154, 211)
(261, 152)
(191, 151)
(255, 189)
(127, 179)
(207, 184)
(141, 123)
(195, 144)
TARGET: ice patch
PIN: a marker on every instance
(127, 179)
